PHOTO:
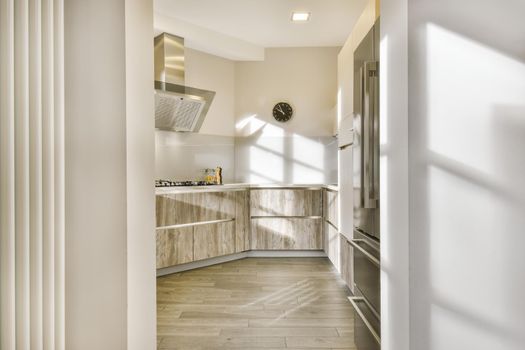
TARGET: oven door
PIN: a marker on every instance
(366, 269)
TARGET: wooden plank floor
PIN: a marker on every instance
(255, 303)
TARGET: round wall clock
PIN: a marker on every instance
(282, 112)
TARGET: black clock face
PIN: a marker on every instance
(282, 112)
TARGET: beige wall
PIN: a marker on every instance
(205, 71)
(306, 77)
(303, 149)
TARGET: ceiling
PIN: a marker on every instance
(266, 23)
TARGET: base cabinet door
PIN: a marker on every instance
(332, 240)
(287, 234)
(242, 221)
(346, 262)
(214, 240)
(174, 246)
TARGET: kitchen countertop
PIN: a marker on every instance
(237, 187)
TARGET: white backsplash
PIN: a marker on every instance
(184, 156)
(290, 159)
(262, 159)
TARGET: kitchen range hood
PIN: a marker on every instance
(177, 107)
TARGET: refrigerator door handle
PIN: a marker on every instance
(369, 95)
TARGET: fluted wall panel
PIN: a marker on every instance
(31, 175)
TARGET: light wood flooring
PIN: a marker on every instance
(255, 303)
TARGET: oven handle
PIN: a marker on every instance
(362, 316)
(355, 243)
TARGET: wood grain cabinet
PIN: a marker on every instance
(331, 219)
(242, 221)
(287, 234)
(331, 207)
(195, 226)
(286, 202)
(187, 208)
(332, 246)
(213, 240)
(286, 219)
(346, 262)
(174, 246)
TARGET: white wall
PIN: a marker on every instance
(140, 160)
(301, 150)
(209, 72)
(184, 156)
(394, 177)
(467, 199)
(110, 249)
(466, 129)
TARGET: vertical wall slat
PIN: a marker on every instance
(48, 170)
(22, 252)
(31, 175)
(35, 161)
(59, 176)
(7, 178)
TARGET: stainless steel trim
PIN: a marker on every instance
(373, 259)
(363, 318)
(198, 223)
(177, 107)
(369, 75)
(286, 217)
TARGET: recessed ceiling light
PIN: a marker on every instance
(300, 16)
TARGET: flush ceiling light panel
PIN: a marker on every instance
(300, 16)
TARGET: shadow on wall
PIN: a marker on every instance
(268, 154)
(467, 198)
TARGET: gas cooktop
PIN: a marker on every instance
(169, 183)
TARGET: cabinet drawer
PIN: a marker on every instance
(285, 202)
(174, 246)
(214, 240)
(184, 208)
(287, 233)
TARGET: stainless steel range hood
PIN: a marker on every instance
(177, 107)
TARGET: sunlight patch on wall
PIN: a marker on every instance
(460, 125)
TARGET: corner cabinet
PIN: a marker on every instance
(286, 219)
(201, 225)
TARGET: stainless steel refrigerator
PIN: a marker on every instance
(366, 234)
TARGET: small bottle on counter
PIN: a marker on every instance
(218, 175)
